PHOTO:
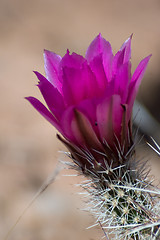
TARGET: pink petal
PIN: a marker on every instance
(77, 128)
(72, 61)
(122, 80)
(123, 55)
(65, 123)
(140, 70)
(85, 133)
(107, 63)
(78, 84)
(52, 62)
(51, 95)
(97, 68)
(98, 46)
(44, 111)
(104, 121)
(117, 114)
(126, 47)
(135, 82)
(88, 108)
(109, 118)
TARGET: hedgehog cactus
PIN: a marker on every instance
(90, 103)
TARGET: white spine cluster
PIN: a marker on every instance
(126, 208)
(119, 193)
(124, 202)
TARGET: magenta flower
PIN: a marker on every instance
(90, 99)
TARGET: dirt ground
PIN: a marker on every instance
(29, 150)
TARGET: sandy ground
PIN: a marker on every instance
(28, 146)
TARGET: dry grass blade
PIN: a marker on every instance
(45, 185)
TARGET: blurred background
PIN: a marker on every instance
(28, 146)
